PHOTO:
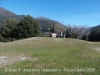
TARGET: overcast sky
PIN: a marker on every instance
(74, 12)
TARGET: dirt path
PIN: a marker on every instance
(11, 59)
(97, 49)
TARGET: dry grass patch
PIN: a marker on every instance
(13, 58)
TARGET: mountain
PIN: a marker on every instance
(98, 26)
(5, 14)
(88, 30)
(48, 24)
(45, 23)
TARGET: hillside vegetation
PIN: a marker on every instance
(62, 56)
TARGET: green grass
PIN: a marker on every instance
(64, 54)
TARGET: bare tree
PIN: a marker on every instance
(75, 31)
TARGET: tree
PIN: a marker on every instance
(7, 29)
(28, 27)
(85, 37)
(74, 31)
(11, 29)
(95, 35)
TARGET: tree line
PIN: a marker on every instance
(78, 33)
(14, 30)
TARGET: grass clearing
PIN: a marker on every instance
(52, 57)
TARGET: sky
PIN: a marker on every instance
(73, 12)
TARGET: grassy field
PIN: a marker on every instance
(48, 56)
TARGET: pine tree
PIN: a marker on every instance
(28, 27)
(7, 29)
